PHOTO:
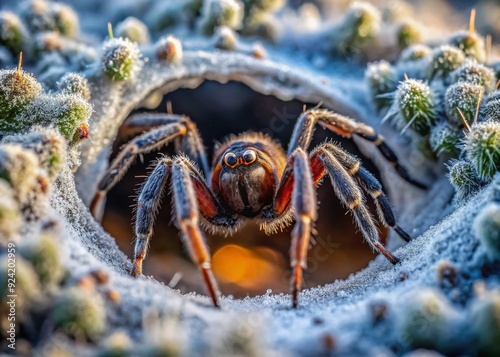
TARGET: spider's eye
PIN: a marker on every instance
(249, 156)
(230, 159)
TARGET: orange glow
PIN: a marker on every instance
(244, 267)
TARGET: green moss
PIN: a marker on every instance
(408, 33)
(74, 83)
(482, 148)
(217, 13)
(120, 59)
(43, 254)
(485, 322)
(358, 27)
(19, 167)
(464, 178)
(445, 138)
(414, 53)
(464, 97)
(66, 20)
(487, 230)
(10, 215)
(73, 113)
(381, 78)
(426, 320)
(27, 287)
(413, 106)
(476, 74)
(13, 33)
(471, 43)
(134, 30)
(48, 145)
(79, 313)
(443, 60)
(17, 90)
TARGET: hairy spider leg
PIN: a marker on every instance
(346, 127)
(163, 128)
(305, 214)
(328, 160)
(370, 185)
(188, 189)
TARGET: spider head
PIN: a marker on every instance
(244, 179)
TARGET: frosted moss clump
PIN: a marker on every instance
(40, 16)
(118, 344)
(169, 49)
(464, 97)
(80, 312)
(217, 13)
(485, 322)
(443, 60)
(381, 79)
(120, 59)
(476, 74)
(19, 167)
(482, 148)
(491, 110)
(66, 20)
(17, 89)
(408, 33)
(10, 215)
(74, 83)
(413, 107)
(427, 320)
(48, 145)
(226, 39)
(464, 178)
(67, 112)
(13, 33)
(414, 53)
(358, 27)
(134, 30)
(43, 254)
(487, 230)
(258, 18)
(28, 288)
(471, 43)
(445, 138)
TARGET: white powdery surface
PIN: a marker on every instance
(341, 307)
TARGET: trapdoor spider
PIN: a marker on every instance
(251, 178)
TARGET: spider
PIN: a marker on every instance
(251, 178)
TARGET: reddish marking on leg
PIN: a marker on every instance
(211, 284)
(296, 282)
(317, 168)
(95, 203)
(137, 267)
(390, 257)
(206, 202)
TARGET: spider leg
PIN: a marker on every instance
(191, 196)
(350, 194)
(370, 184)
(305, 213)
(346, 127)
(172, 127)
(186, 206)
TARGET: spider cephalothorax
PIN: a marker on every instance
(251, 178)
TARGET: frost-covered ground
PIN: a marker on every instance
(442, 295)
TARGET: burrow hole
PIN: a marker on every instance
(249, 262)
